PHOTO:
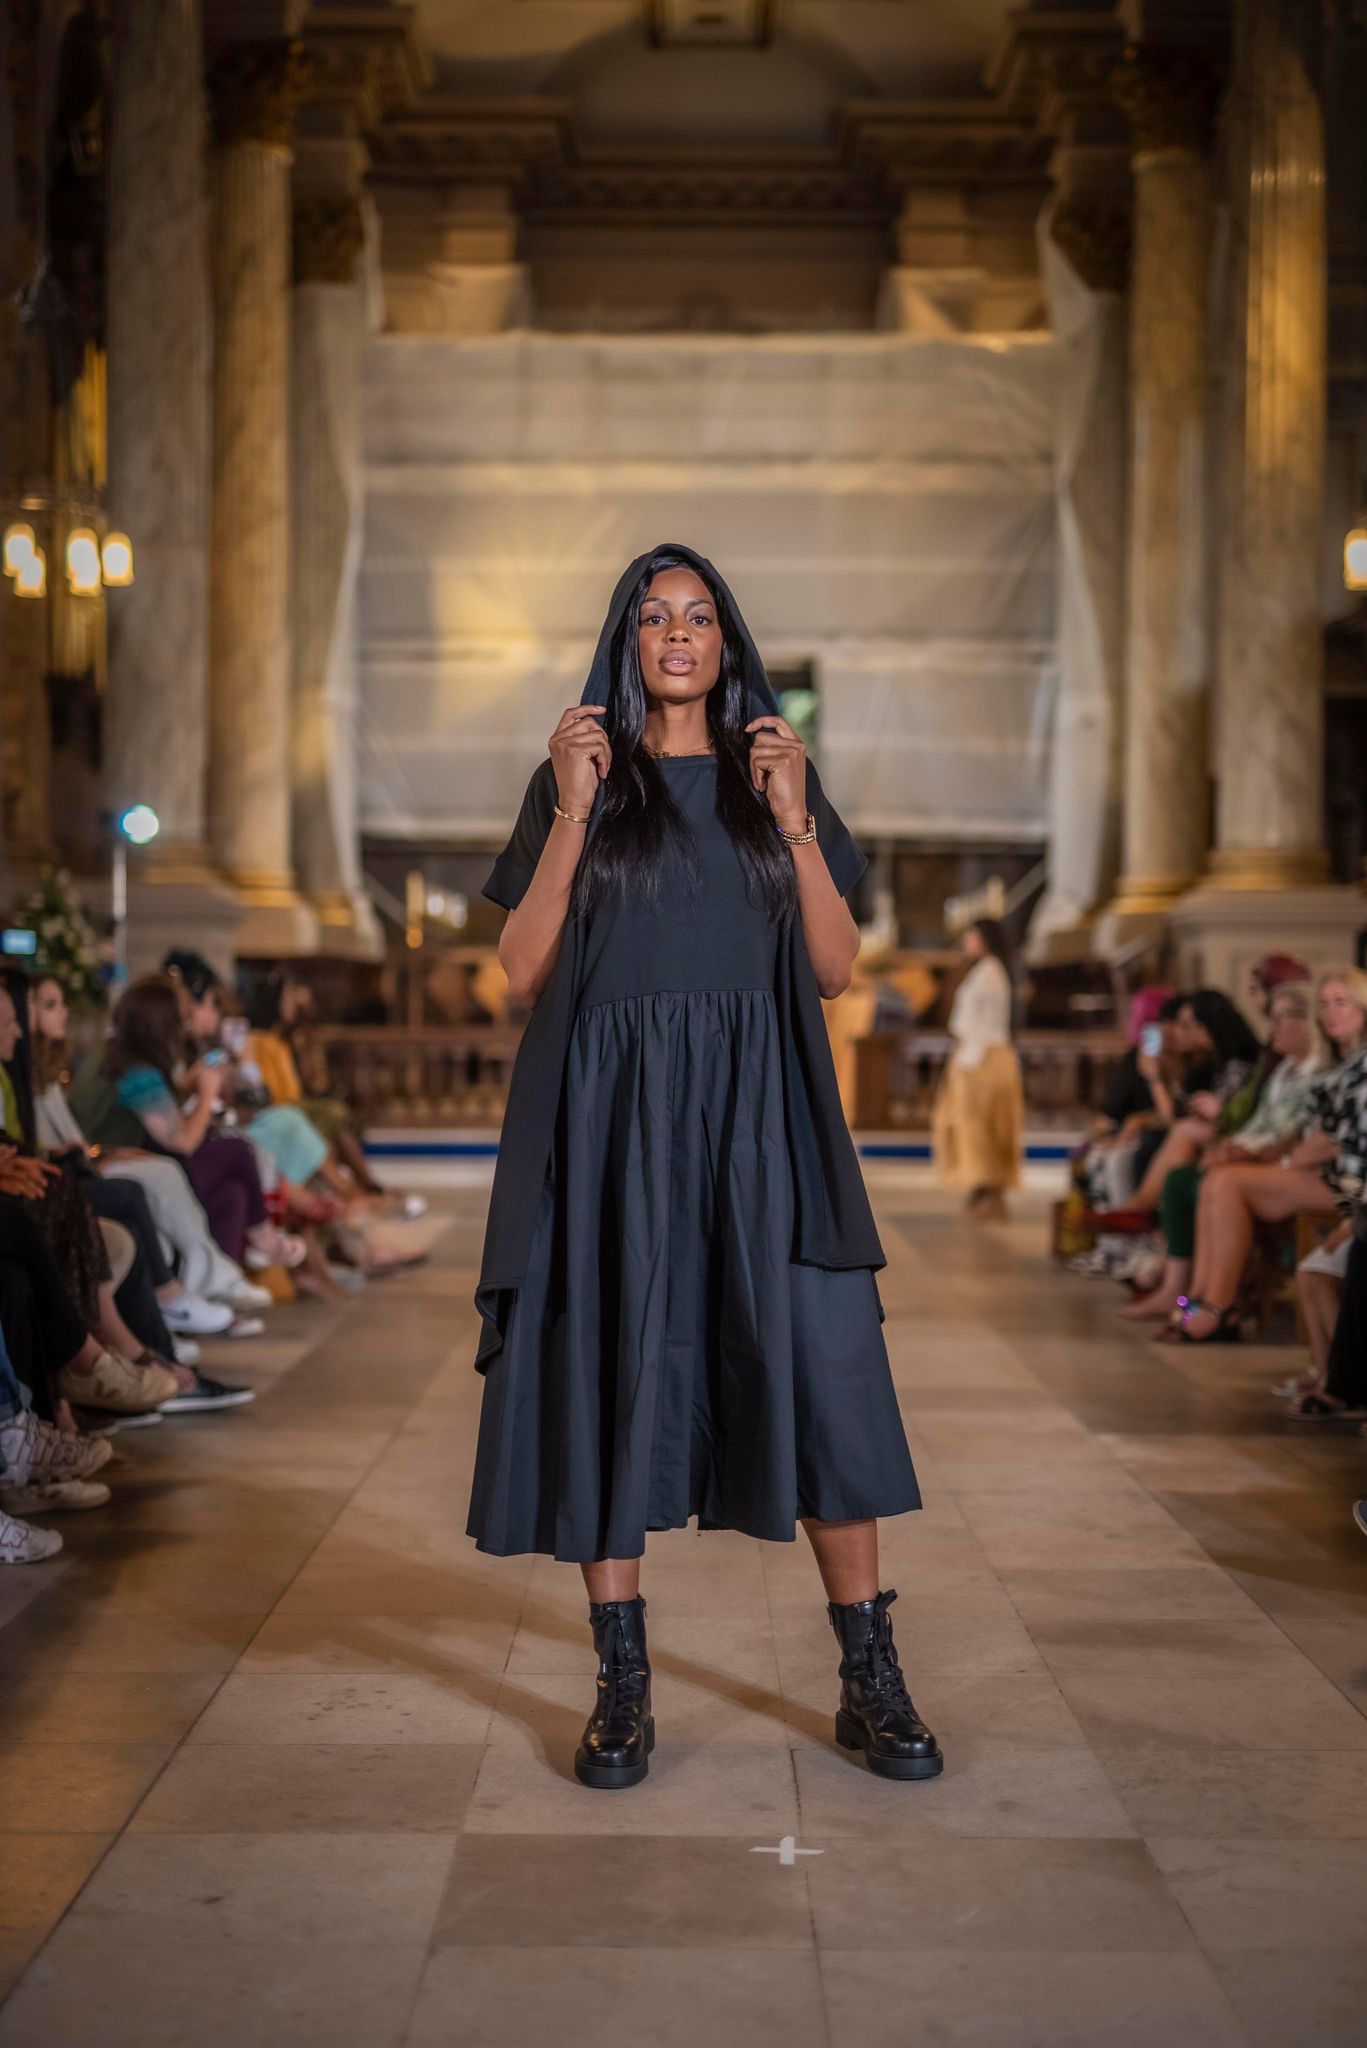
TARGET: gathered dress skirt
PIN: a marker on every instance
(664, 1357)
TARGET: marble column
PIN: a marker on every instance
(1169, 95)
(156, 722)
(1267, 883)
(254, 88)
(326, 502)
(1271, 721)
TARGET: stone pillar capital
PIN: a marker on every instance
(1170, 95)
(255, 87)
(328, 233)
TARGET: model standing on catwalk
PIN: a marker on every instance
(680, 1312)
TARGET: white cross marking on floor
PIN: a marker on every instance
(787, 1851)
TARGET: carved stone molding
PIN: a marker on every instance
(1169, 94)
(255, 89)
(327, 239)
(369, 57)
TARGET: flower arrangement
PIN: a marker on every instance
(67, 947)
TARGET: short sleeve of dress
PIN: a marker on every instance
(515, 866)
(844, 857)
(144, 1091)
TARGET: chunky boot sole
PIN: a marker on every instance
(616, 1777)
(850, 1735)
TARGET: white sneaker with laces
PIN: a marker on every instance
(54, 1497)
(189, 1315)
(34, 1450)
(248, 1298)
(21, 1543)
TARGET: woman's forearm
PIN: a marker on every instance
(529, 944)
(830, 931)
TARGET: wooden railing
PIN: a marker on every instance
(1063, 1074)
(435, 1074)
(458, 1073)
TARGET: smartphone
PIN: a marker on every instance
(1151, 1040)
(215, 1057)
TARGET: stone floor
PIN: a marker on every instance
(286, 1761)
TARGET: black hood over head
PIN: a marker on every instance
(598, 682)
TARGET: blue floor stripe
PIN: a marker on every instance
(487, 1148)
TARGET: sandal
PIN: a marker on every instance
(1322, 1408)
(1226, 1329)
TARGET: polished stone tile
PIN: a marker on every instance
(1019, 1532)
(1267, 1894)
(56, 1706)
(411, 1644)
(992, 1786)
(68, 1636)
(350, 1706)
(1194, 1591)
(1265, 1792)
(983, 1894)
(40, 1875)
(552, 1891)
(1148, 1653)
(1291, 2001)
(301, 1788)
(98, 1987)
(1026, 2001)
(330, 1888)
(578, 1998)
(1224, 1712)
(745, 1789)
(84, 1788)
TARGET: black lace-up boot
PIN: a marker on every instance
(876, 1713)
(620, 1732)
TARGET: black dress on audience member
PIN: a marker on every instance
(1346, 1376)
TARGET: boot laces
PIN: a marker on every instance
(884, 1669)
(626, 1680)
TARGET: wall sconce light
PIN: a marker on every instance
(116, 559)
(30, 577)
(1355, 557)
(83, 561)
(18, 546)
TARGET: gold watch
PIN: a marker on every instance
(798, 838)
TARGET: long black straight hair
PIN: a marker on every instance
(626, 854)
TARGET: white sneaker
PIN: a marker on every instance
(54, 1497)
(245, 1326)
(248, 1297)
(276, 1248)
(189, 1315)
(117, 1384)
(21, 1543)
(35, 1450)
(186, 1350)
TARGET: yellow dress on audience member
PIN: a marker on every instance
(977, 1126)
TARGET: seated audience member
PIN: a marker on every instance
(121, 1307)
(144, 1063)
(1315, 1176)
(1213, 1099)
(1344, 1388)
(20, 1543)
(1282, 1112)
(1137, 1105)
(43, 1470)
(205, 1272)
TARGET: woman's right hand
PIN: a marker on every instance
(209, 1082)
(581, 755)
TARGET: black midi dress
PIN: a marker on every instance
(664, 1357)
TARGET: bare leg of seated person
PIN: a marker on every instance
(1233, 1200)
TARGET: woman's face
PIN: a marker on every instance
(974, 944)
(48, 1015)
(1292, 1034)
(679, 639)
(1188, 1034)
(206, 1018)
(1343, 1018)
(10, 1031)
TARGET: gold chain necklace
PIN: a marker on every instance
(667, 754)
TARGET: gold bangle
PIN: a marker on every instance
(570, 815)
(798, 838)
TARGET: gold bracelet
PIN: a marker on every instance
(570, 815)
(798, 838)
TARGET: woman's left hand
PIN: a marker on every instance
(778, 769)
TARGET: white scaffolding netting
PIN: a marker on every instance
(882, 506)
